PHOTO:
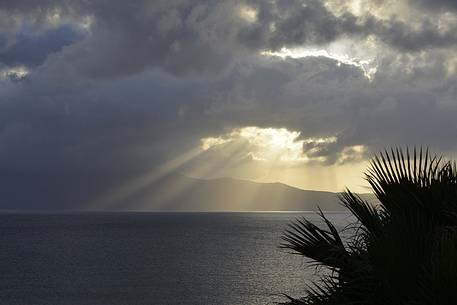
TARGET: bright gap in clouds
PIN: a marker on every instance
(247, 13)
(268, 144)
(367, 66)
(282, 155)
(15, 73)
(278, 145)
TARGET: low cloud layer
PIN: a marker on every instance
(94, 93)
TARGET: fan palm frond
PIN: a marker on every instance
(404, 249)
(370, 216)
(324, 246)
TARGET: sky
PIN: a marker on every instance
(97, 95)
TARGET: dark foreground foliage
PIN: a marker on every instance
(403, 251)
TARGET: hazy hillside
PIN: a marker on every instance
(177, 192)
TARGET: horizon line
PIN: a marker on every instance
(85, 211)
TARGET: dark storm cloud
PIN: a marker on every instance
(310, 22)
(321, 99)
(189, 38)
(33, 49)
(182, 37)
(437, 4)
(201, 38)
(57, 143)
(149, 79)
(60, 148)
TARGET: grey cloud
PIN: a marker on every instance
(93, 114)
(292, 23)
(298, 22)
(437, 4)
(320, 99)
(180, 37)
(100, 134)
(60, 148)
(202, 38)
(32, 50)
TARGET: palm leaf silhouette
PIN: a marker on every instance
(404, 249)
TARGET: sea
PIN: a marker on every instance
(151, 258)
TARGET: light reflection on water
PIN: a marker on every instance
(149, 258)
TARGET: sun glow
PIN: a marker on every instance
(248, 13)
(270, 144)
(279, 154)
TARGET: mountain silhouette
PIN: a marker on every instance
(177, 192)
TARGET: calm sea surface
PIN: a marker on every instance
(149, 258)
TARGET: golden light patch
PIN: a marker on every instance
(248, 13)
(279, 154)
(273, 145)
(207, 143)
